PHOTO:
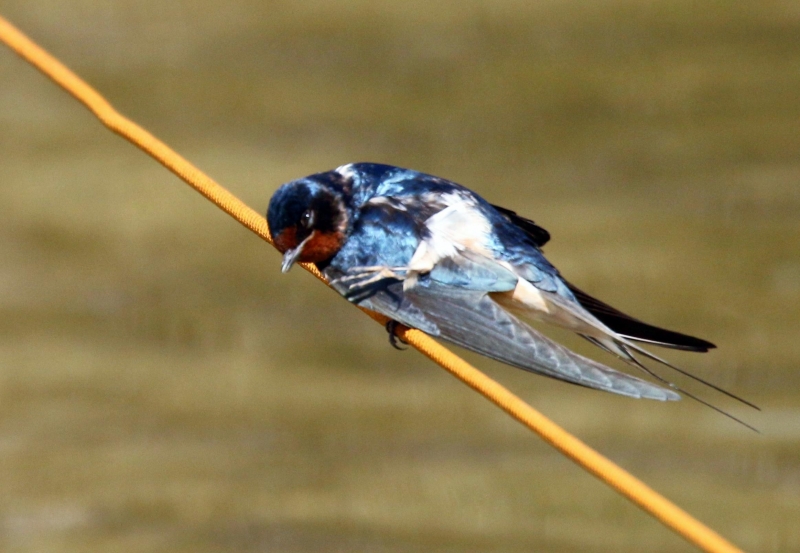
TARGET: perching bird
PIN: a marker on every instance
(433, 255)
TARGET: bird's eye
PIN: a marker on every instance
(307, 219)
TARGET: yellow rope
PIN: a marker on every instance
(626, 484)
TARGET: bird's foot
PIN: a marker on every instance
(394, 339)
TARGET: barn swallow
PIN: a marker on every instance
(433, 255)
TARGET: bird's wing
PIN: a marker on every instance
(621, 323)
(451, 298)
(471, 319)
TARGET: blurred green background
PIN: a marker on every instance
(163, 388)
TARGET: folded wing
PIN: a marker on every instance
(471, 319)
(438, 276)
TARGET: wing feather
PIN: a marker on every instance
(471, 319)
(452, 300)
(635, 329)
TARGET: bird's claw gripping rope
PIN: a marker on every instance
(394, 339)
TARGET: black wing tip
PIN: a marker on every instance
(666, 338)
(635, 329)
(687, 341)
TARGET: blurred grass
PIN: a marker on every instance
(164, 388)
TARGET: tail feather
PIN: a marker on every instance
(658, 359)
(622, 349)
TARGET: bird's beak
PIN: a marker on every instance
(291, 255)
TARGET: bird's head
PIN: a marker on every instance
(308, 220)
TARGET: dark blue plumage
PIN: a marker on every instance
(433, 255)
